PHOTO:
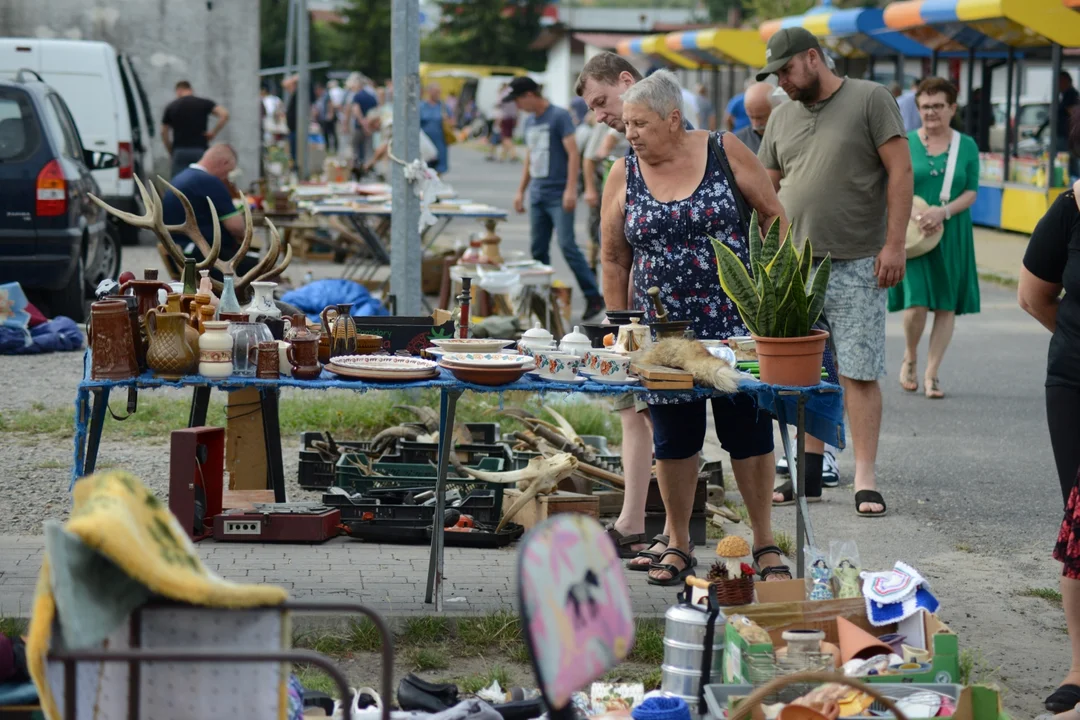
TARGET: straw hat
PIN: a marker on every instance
(916, 243)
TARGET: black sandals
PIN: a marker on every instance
(870, 496)
(653, 557)
(787, 490)
(678, 575)
(625, 543)
(1064, 699)
(766, 572)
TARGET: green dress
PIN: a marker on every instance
(944, 278)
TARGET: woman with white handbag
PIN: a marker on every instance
(941, 275)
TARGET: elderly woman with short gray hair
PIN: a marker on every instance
(662, 204)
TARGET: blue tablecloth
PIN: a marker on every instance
(824, 403)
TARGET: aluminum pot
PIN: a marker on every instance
(684, 655)
(679, 681)
(683, 624)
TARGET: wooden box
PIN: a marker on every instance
(543, 506)
(656, 377)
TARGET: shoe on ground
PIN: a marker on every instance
(782, 467)
(594, 310)
(830, 473)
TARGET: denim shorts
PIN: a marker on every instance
(854, 315)
(743, 431)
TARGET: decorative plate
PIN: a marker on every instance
(471, 345)
(576, 381)
(383, 363)
(488, 360)
(610, 381)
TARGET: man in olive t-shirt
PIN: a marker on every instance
(839, 157)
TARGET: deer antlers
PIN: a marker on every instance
(266, 268)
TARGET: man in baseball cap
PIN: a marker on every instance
(522, 85)
(784, 45)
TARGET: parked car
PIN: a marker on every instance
(109, 105)
(51, 233)
(1032, 114)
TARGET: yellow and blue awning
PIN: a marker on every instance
(719, 46)
(654, 47)
(953, 24)
(852, 33)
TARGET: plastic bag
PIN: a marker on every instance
(844, 559)
(820, 574)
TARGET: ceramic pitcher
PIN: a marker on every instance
(111, 343)
(170, 355)
(303, 354)
(341, 330)
(262, 303)
(145, 291)
(138, 333)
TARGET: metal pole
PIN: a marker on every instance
(899, 77)
(1016, 104)
(303, 90)
(716, 98)
(1055, 103)
(1009, 66)
(933, 63)
(404, 230)
(290, 37)
(969, 116)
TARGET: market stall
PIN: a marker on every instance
(656, 50)
(1018, 184)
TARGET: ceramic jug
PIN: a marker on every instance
(172, 305)
(633, 338)
(215, 350)
(262, 303)
(138, 334)
(202, 300)
(170, 355)
(145, 291)
(298, 328)
(246, 338)
(341, 331)
(303, 354)
(111, 344)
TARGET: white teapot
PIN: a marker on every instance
(536, 339)
(575, 343)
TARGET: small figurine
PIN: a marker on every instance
(821, 575)
(847, 575)
(749, 630)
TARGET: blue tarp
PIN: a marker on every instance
(315, 296)
(57, 335)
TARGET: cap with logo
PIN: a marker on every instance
(521, 85)
(785, 44)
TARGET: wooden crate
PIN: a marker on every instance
(657, 377)
(543, 506)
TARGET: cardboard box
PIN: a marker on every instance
(404, 332)
(775, 618)
(543, 506)
(245, 446)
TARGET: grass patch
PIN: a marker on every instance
(714, 531)
(974, 670)
(964, 548)
(346, 415)
(998, 278)
(322, 641)
(648, 642)
(13, 627)
(501, 631)
(472, 684)
(51, 465)
(316, 680)
(650, 678)
(785, 543)
(1048, 594)
(429, 658)
(363, 636)
(425, 631)
(518, 654)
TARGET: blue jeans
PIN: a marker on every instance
(546, 215)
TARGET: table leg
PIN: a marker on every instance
(275, 473)
(97, 421)
(447, 409)
(82, 416)
(200, 405)
(432, 233)
(804, 530)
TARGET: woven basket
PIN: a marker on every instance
(743, 712)
(730, 593)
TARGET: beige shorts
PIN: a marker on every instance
(630, 400)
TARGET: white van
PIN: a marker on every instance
(109, 105)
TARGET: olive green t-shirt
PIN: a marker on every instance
(833, 182)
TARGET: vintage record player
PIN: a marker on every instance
(291, 522)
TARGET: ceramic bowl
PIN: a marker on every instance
(487, 375)
(387, 363)
(487, 360)
(596, 332)
(471, 345)
(367, 344)
(558, 365)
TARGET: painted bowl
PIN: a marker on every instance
(487, 375)
(367, 344)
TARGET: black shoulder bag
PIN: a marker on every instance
(740, 201)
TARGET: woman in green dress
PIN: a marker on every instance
(943, 280)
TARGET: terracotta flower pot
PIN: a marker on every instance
(857, 643)
(791, 361)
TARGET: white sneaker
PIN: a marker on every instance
(781, 465)
(830, 473)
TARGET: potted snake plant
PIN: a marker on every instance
(779, 300)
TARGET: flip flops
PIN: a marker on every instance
(678, 575)
(870, 496)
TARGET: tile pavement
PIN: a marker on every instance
(389, 578)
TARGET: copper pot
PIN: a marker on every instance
(267, 361)
(303, 353)
(111, 343)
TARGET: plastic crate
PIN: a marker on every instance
(417, 452)
(403, 475)
(482, 505)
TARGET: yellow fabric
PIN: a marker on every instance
(123, 520)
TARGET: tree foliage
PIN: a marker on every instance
(488, 32)
(362, 41)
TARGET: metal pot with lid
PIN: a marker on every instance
(693, 644)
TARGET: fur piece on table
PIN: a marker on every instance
(694, 358)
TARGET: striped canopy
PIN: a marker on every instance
(958, 24)
(719, 46)
(857, 32)
(654, 47)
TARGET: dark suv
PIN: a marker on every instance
(51, 234)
